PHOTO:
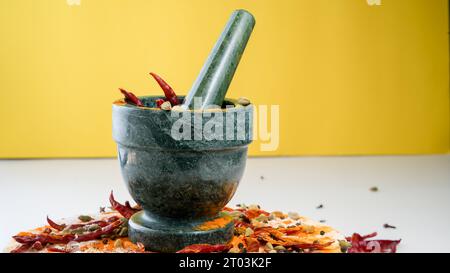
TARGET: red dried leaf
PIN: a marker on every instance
(360, 244)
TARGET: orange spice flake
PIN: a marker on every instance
(214, 224)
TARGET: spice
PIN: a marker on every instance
(55, 225)
(243, 101)
(293, 215)
(96, 234)
(159, 102)
(37, 246)
(123, 232)
(277, 214)
(168, 91)
(248, 232)
(166, 106)
(131, 98)
(279, 248)
(344, 245)
(205, 248)
(322, 232)
(214, 224)
(374, 189)
(389, 226)
(125, 210)
(319, 206)
(234, 250)
(85, 218)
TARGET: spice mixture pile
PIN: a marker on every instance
(256, 230)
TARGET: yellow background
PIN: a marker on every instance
(349, 78)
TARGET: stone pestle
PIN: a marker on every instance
(217, 72)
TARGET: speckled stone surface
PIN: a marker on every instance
(179, 183)
(218, 71)
(174, 235)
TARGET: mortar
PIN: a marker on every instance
(180, 184)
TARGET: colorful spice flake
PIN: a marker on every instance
(255, 231)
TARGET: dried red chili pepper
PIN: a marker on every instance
(44, 238)
(125, 210)
(64, 239)
(57, 250)
(312, 246)
(37, 246)
(168, 91)
(251, 214)
(21, 249)
(55, 225)
(98, 233)
(100, 223)
(131, 98)
(205, 248)
(253, 244)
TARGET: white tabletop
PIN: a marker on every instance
(414, 193)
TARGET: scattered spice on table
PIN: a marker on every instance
(362, 244)
(256, 230)
(85, 218)
(319, 206)
(389, 226)
(374, 189)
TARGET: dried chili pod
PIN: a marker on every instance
(55, 225)
(98, 233)
(125, 210)
(168, 91)
(21, 249)
(131, 98)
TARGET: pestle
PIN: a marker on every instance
(217, 72)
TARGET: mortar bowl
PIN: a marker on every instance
(180, 169)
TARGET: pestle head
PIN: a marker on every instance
(218, 71)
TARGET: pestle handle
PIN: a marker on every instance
(218, 71)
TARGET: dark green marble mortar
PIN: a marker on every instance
(179, 183)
